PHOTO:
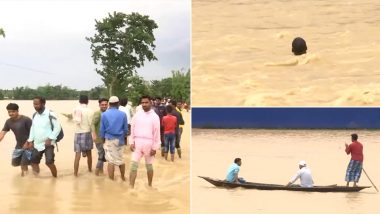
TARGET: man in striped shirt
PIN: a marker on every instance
(83, 142)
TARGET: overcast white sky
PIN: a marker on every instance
(45, 40)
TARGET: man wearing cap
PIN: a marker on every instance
(145, 139)
(113, 130)
(304, 174)
(354, 168)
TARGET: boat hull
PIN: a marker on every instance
(262, 186)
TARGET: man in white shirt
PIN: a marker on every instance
(129, 109)
(304, 174)
(83, 143)
(126, 108)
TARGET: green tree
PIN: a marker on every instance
(161, 88)
(8, 94)
(135, 89)
(1, 95)
(122, 44)
(98, 92)
(24, 93)
(50, 92)
(181, 85)
(2, 33)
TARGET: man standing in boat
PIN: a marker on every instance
(233, 172)
(304, 174)
(354, 168)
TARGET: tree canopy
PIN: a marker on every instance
(180, 89)
(122, 43)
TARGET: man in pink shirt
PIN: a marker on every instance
(145, 139)
(354, 168)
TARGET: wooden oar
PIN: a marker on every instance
(370, 180)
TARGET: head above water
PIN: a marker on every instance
(237, 161)
(299, 46)
(12, 109)
(145, 103)
(354, 137)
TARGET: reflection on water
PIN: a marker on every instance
(88, 193)
(271, 156)
(353, 201)
(32, 194)
(235, 42)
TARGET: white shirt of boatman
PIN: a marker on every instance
(304, 174)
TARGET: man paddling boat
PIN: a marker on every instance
(355, 166)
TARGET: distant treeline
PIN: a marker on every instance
(176, 87)
(51, 92)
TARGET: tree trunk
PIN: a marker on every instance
(111, 85)
(109, 90)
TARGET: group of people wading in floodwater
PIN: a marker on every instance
(111, 128)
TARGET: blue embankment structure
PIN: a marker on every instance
(286, 118)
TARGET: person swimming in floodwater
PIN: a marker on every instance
(299, 48)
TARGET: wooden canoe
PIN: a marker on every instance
(262, 186)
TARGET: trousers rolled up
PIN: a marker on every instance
(101, 155)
